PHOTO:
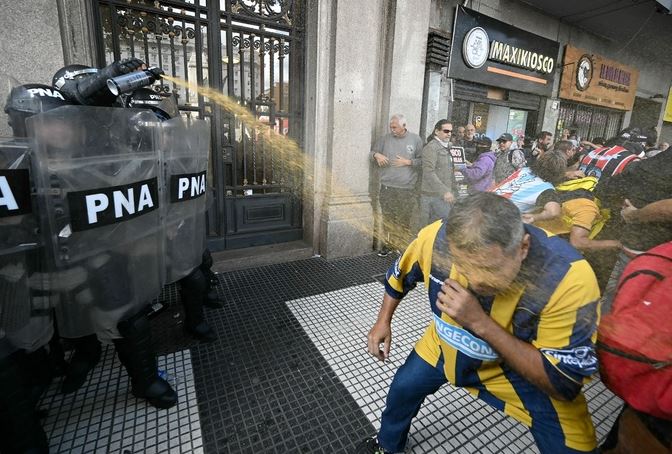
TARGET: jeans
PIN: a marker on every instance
(396, 205)
(414, 381)
(432, 208)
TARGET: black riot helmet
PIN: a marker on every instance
(164, 107)
(27, 100)
(71, 73)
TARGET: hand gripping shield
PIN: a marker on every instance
(99, 183)
(185, 146)
(25, 320)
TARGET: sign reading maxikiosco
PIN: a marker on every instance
(494, 53)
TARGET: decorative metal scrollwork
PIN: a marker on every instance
(276, 10)
(130, 23)
(268, 45)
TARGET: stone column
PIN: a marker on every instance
(437, 99)
(31, 51)
(550, 115)
(407, 68)
(343, 45)
(77, 31)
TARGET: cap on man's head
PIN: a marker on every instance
(575, 143)
(483, 142)
(505, 137)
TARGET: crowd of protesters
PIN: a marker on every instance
(542, 243)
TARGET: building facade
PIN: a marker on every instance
(329, 74)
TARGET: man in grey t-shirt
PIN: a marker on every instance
(398, 156)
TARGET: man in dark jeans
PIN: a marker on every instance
(514, 319)
(398, 156)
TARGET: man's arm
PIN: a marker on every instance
(381, 333)
(401, 277)
(660, 211)
(460, 305)
(579, 237)
(377, 154)
(551, 210)
(477, 170)
(380, 158)
(416, 160)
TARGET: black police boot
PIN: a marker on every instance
(137, 355)
(193, 288)
(84, 359)
(211, 299)
(57, 362)
(20, 429)
(36, 373)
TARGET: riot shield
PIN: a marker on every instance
(185, 146)
(25, 315)
(99, 188)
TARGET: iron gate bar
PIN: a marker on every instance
(215, 81)
(271, 36)
(281, 57)
(173, 69)
(115, 31)
(248, 30)
(230, 68)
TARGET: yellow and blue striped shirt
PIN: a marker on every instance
(553, 305)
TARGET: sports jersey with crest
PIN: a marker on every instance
(553, 305)
(607, 161)
(523, 188)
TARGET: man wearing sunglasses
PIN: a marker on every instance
(438, 175)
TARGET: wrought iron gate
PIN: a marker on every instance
(251, 50)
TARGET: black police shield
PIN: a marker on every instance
(185, 147)
(99, 183)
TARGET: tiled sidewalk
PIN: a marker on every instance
(289, 374)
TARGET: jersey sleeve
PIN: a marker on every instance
(408, 270)
(549, 195)
(567, 330)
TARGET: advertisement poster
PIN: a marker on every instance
(459, 162)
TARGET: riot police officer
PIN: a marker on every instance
(106, 305)
(185, 154)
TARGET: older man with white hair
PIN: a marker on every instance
(398, 156)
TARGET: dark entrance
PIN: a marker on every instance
(251, 50)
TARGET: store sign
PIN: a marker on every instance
(494, 53)
(593, 79)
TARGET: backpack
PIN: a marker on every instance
(504, 166)
(583, 188)
(635, 339)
